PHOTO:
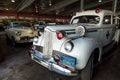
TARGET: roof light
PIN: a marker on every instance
(12, 0)
(97, 10)
(100, 1)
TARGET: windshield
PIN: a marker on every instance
(89, 19)
(21, 24)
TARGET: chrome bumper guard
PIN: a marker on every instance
(51, 66)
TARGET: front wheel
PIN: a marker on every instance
(13, 42)
(87, 72)
(7, 40)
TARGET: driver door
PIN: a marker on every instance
(108, 30)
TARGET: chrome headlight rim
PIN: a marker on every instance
(18, 33)
(35, 39)
(68, 46)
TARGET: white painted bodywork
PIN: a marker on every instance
(25, 32)
(94, 38)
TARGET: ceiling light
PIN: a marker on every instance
(50, 3)
(36, 8)
(12, 0)
(7, 9)
(100, 1)
(57, 12)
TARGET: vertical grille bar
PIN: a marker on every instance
(48, 46)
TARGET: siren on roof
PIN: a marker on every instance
(97, 10)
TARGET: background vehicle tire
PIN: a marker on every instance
(7, 40)
(87, 72)
(13, 42)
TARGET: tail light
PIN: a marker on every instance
(56, 58)
(39, 33)
(59, 35)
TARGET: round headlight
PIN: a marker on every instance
(35, 40)
(80, 30)
(18, 33)
(68, 46)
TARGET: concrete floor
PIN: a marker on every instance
(18, 65)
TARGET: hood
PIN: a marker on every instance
(61, 27)
(70, 27)
(24, 29)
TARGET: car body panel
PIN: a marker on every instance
(96, 36)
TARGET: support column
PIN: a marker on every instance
(114, 5)
(17, 17)
(82, 5)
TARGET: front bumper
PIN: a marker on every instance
(24, 39)
(48, 63)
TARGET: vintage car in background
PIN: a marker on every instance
(40, 25)
(73, 50)
(20, 32)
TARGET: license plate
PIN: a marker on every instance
(68, 61)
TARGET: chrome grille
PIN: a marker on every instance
(26, 38)
(47, 49)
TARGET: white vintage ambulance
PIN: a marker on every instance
(73, 50)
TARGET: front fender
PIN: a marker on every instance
(83, 48)
(10, 33)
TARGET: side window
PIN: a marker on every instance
(107, 19)
(76, 20)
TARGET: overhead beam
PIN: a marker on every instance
(24, 4)
(91, 5)
(82, 5)
(59, 5)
